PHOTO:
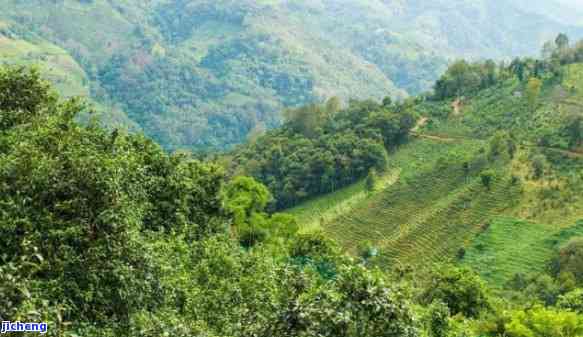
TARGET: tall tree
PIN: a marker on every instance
(533, 90)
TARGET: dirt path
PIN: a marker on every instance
(434, 137)
(568, 153)
(423, 121)
(420, 123)
(457, 107)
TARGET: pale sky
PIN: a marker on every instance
(574, 3)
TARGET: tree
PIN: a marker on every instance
(533, 90)
(544, 322)
(573, 127)
(572, 300)
(23, 95)
(243, 197)
(438, 319)
(371, 181)
(538, 166)
(358, 303)
(562, 41)
(333, 105)
(460, 289)
(307, 119)
(570, 259)
(487, 177)
(502, 144)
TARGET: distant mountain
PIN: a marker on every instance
(204, 73)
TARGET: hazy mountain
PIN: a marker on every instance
(202, 73)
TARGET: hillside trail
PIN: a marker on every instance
(457, 107)
(440, 138)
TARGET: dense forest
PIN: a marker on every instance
(321, 148)
(204, 74)
(104, 233)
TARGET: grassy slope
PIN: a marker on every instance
(511, 246)
(54, 62)
(433, 210)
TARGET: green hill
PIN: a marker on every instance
(439, 208)
(204, 74)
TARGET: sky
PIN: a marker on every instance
(573, 3)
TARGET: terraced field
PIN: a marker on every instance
(323, 209)
(509, 246)
(436, 207)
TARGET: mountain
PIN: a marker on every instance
(202, 74)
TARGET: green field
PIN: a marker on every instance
(510, 246)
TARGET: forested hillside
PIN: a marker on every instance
(356, 176)
(105, 234)
(200, 74)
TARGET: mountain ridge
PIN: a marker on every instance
(204, 74)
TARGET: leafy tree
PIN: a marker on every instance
(23, 96)
(358, 303)
(572, 300)
(538, 165)
(518, 67)
(544, 288)
(438, 319)
(487, 177)
(371, 181)
(570, 259)
(573, 127)
(244, 197)
(340, 151)
(562, 41)
(543, 322)
(80, 199)
(460, 289)
(533, 89)
(502, 144)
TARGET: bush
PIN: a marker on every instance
(460, 289)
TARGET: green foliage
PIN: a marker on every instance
(572, 300)
(573, 127)
(502, 145)
(438, 319)
(487, 177)
(570, 259)
(539, 164)
(533, 90)
(371, 181)
(543, 322)
(104, 234)
(460, 289)
(82, 197)
(23, 96)
(463, 79)
(244, 197)
(318, 151)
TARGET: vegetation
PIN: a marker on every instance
(205, 74)
(464, 223)
(105, 234)
(320, 149)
